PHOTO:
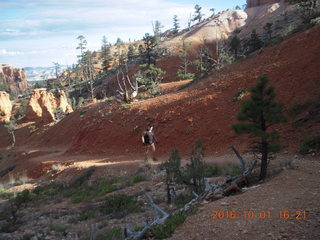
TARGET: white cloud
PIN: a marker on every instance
(5, 52)
(51, 26)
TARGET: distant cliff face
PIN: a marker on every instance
(14, 78)
(257, 3)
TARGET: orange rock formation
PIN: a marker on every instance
(62, 102)
(15, 78)
(42, 106)
(5, 107)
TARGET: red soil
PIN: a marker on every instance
(205, 110)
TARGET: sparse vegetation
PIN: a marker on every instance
(297, 108)
(310, 144)
(58, 227)
(119, 205)
(111, 234)
(165, 230)
(126, 105)
(135, 179)
(228, 169)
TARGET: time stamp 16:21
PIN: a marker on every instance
(262, 214)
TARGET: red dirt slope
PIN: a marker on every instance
(203, 111)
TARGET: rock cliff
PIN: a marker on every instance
(13, 78)
(62, 103)
(42, 106)
(5, 107)
(257, 3)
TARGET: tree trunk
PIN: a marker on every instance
(264, 160)
(13, 139)
(168, 193)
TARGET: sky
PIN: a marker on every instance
(39, 32)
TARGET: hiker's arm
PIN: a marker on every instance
(144, 133)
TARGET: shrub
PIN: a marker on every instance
(275, 41)
(298, 108)
(193, 175)
(84, 111)
(112, 234)
(8, 227)
(214, 170)
(184, 76)
(32, 128)
(58, 227)
(81, 196)
(120, 204)
(53, 188)
(309, 144)
(126, 105)
(150, 77)
(182, 199)
(135, 179)
(85, 215)
(22, 109)
(84, 176)
(165, 230)
(104, 189)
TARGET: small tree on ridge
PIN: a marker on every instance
(257, 116)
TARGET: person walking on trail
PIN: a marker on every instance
(149, 140)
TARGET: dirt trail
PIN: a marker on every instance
(292, 190)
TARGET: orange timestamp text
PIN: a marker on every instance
(260, 214)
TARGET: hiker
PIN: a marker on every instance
(149, 140)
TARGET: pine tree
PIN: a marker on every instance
(194, 173)
(150, 53)
(82, 45)
(182, 72)
(172, 168)
(257, 116)
(105, 54)
(268, 29)
(254, 42)
(131, 53)
(235, 44)
(176, 25)
(197, 14)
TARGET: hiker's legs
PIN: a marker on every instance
(146, 151)
(153, 149)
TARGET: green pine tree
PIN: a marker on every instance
(176, 25)
(197, 13)
(268, 30)
(105, 54)
(172, 168)
(194, 173)
(235, 45)
(257, 116)
(254, 42)
(131, 53)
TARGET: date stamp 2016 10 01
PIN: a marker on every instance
(260, 214)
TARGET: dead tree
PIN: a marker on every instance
(126, 94)
(211, 192)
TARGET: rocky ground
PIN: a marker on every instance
(293, 186)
